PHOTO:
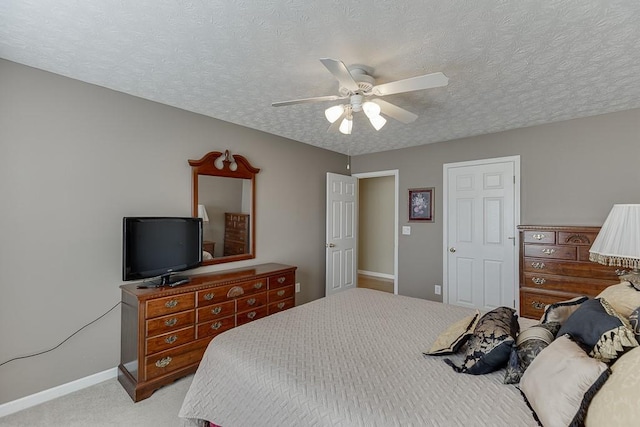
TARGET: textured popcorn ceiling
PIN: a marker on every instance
(510, 63)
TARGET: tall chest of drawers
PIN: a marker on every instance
(236, 234)
(555, 266)
(165, 331)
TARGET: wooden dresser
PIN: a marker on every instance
(165, 331)
(555, 266)
(236, 234)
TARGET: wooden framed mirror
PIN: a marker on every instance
(224, 193)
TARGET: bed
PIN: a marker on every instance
(351, 359)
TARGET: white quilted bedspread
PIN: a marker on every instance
(352, 359)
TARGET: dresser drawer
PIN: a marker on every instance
(578, 285)
(248, 316)
(172, 339)
(213, 295)
(281, 280)
(252, 301)
(170, 360)
(532, 304)
(279, 294)
(551, 251)
(564, 268)
(173, 304)
(275, 307)
(215, 327)
(162, 325)
(215, 311)
(576, 238)
(539, 236)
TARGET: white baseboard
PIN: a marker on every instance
(374, 274)
(55, 392)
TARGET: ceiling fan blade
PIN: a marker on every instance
(336, 125)
(341, 72)
(427, 81)
(308, 100)
(395, 112)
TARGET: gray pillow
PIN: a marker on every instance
(489, 347)
(560, 311)
(604, 333)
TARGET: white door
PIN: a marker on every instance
(341, 232)
(481, 202)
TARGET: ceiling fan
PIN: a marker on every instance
(357, 84)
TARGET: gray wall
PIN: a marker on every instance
(571, 174)
(375, 224)
(74, 159)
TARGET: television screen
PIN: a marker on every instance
(159, 246)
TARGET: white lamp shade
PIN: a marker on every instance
(202, 213)
(377, 121)
(333, 113)
(618, 243)
(371, 109)
(346, 126)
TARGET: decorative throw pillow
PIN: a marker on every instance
(560, 311)
(600, 329)
(529, 344)
(560, 383)
(489, 347)
(635, 323)
(450, 341)
(623, 297)
(616, 404)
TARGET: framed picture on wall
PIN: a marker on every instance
(421, 204)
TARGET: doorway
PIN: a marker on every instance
(481, 211)
(378, 230)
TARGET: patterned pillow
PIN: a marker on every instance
(560, 383)
(560, 311)
(600, 329)
(623, 297)
(635, 323)
(528, 345)
(489, 347)
(450, 341)
(616, 404)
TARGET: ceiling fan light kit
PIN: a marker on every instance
(356, 83)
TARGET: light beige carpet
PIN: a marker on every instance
(106, 404)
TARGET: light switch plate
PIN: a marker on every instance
(406, 230)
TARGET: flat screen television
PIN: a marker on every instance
(157, 247)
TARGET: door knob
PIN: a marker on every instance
(452, 250)
(330, 245)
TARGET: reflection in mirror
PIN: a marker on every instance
(224, 197)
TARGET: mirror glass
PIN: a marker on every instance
(224, 197)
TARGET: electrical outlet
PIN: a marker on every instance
(406, 230)
(438, 289)
(297, 287)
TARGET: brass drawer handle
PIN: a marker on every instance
(172, 303)
(538, 280)
(209, 296)
(548, 251)
(251, 315)
(258, 285)
(538, 265)
(281, 279)
(171, 322)
(216, 310)
(171, 339)
(164, 362)
(251, 301)
(280, 293)
(280, 305)
(537, 305)
(539, 236)
(216, 326)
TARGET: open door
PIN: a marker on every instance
(341, 233)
